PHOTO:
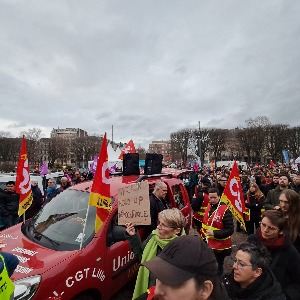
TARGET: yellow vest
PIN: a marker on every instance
(6, 285)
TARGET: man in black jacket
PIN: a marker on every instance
(157, 204)
(9, 205)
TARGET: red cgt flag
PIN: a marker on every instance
(233, 195)
(128, 149)
(100, 191)
(23, 185)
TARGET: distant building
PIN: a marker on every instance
(160, 147)
(67, 133)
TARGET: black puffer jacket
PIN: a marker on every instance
(9, 204)
(264, 287)
(285, 264)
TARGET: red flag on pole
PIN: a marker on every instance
(233, 195)
(23, 185)
(128, 149)
(100, 191)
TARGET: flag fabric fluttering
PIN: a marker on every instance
(94, 165)
(44, 169)
(23, 185)
(128, 149)
(168, 158)
(113, 169)
(286, 156)
(100, 191)
(233, 195)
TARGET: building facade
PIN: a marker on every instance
(160, 147)
(67, 133)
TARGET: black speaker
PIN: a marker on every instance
(153, 163)
(131, 164)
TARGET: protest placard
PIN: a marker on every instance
(134, 204)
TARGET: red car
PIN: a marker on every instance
(48, 246)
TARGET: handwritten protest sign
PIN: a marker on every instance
(134, 204)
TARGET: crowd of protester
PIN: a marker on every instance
(9, 198)
(179, 266)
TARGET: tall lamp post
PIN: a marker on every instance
(199, 147)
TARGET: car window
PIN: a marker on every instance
(59, 225)
(178, 196)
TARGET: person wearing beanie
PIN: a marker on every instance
(221, 184)
(186, 269)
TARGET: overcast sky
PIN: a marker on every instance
(148, 68)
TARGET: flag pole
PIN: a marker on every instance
(84, 226)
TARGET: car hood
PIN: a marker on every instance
(34, 258)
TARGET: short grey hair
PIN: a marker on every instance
(159, 185)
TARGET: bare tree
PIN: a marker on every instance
(293, 143)
(258, 129)
(277, 140)
(142, 152)
(84, 148)
(218, 139)
(5, 134)
(201, 140)
(33, 137)
(180, 142)
(57, 149)
(10, 149)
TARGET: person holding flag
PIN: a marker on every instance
(217, 228)
(18, 197)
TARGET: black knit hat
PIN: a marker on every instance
(205, 181)
(181, 259)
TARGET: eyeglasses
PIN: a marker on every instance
(240, 264)
(164, 226)
(265, 226)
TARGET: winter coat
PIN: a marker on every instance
(9, 204)
(37, 202)
(272, 198)
(285, 263)
(255, 205)
(11, 262)
(156, 206)
(264, 287)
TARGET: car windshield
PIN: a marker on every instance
(59, 225)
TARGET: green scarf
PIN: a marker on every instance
(150, 251)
